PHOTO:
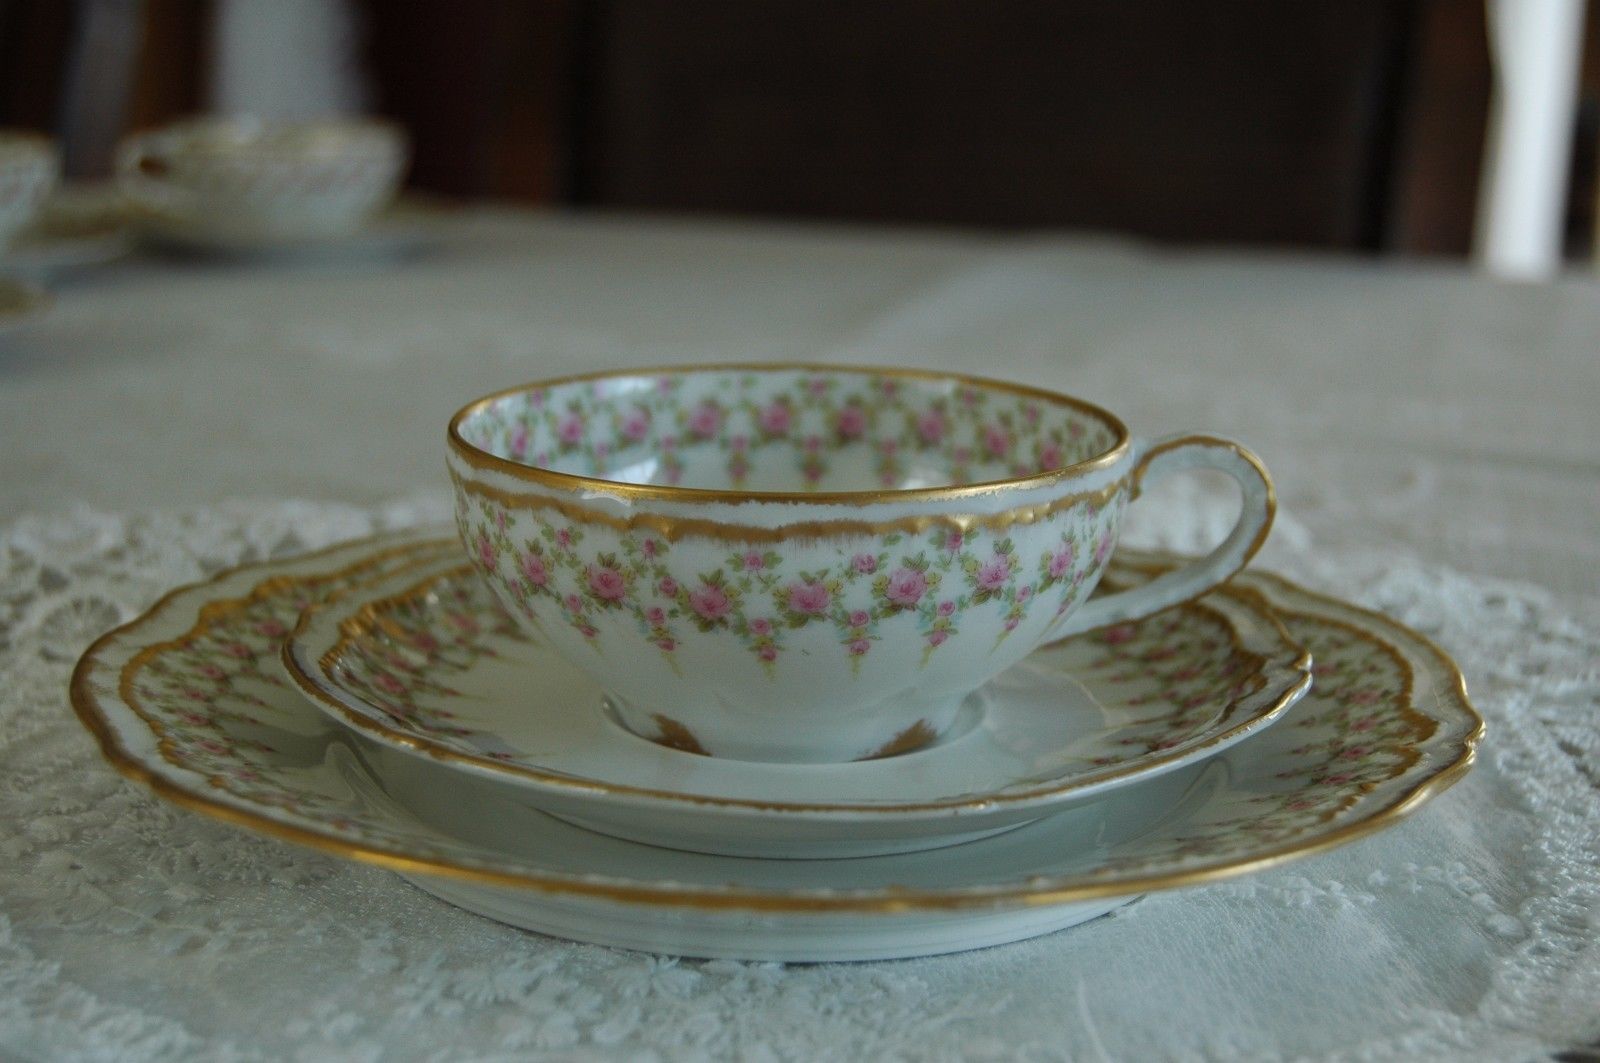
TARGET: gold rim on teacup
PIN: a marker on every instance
(532, 473)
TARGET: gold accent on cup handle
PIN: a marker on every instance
(1176, 454)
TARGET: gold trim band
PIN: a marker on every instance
(674, 528)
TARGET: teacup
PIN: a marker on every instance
(810, 563)
(247, 181)
(29, 166)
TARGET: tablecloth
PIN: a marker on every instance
(1434, 440)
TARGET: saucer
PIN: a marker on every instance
(188, 700)
(432, 665)
(395, 233)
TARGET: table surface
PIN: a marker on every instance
(1403, 404)
(1433, 435)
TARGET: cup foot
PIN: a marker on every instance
(937, 728)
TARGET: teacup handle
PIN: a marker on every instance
(1184, 453)
(142, 170)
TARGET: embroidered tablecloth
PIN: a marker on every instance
(1432, 433)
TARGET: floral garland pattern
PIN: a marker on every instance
(397, 672)
(1355, 731)
(941, 581)
(784, 431)
(213, 694)
(1185, 671)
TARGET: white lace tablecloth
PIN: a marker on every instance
(1438, 454)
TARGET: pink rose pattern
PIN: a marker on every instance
(633, 424)
(215, 695)
(939, 580)
(796, 425)
(215, 709)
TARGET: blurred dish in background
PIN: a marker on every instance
(79, 226)
(396, 233)
(246, 185)
(29, 167)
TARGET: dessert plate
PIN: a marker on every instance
(433, 665)
(188, 699)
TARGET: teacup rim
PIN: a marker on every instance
(530, 473)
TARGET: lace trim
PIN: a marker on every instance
(131, 930)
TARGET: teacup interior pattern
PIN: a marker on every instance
(787, 430)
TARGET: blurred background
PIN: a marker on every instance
(1357, 125)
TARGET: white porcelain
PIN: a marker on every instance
(427, 661)
(811, 563)
(487, 817)
(187, 699)
(245, 181)
(29, 168)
